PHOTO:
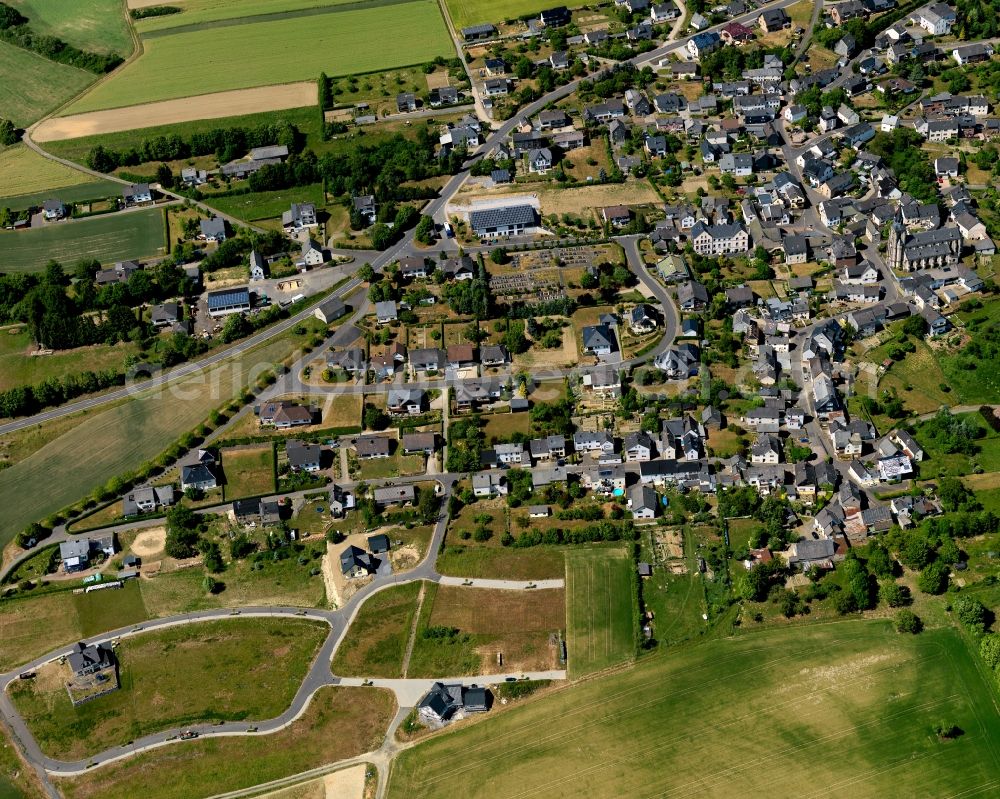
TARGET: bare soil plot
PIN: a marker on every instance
(475, 631)
(167, 112)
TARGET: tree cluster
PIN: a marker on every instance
(225, 143)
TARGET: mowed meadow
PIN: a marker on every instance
(845, 709)
(113, 237)
(224, 54)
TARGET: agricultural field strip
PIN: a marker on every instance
(203, 62)
(314, 11)
(614, 697)
(655, 744)
(827, 738)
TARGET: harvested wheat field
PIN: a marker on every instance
(187, 109)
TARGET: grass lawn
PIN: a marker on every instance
(120, 438)
(339, 723)
(471, 12)
(282, 582)
(41, 85)
(375, 644)
(214, 671)
(26, 172)
(478, 560)
(80, 192)
(30, 626)
(114, 237)
(17, 780)
(19, 369)
(485, 623)
(103, 611)
(501, 426)
(268, 204)
(938, 463)
(601, 608)
(249, 472)
(97, 25)
(917, 379)
(767, 700)
(214, 59)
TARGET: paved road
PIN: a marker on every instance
(184, 370)
(318, 676)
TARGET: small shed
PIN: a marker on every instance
(378, 543)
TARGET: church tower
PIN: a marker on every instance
(897, 241)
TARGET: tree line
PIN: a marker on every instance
(14, 30)
(226, 144)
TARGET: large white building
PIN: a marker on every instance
(719, 239)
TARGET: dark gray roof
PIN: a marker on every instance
(502, 217)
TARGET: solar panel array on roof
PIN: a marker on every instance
(227, 298)
(505, 216)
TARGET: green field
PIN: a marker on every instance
(213, 671)
(339, 723)
(41, 85)
(109, 238)
(249, 472)
(214, 60)
(17, 781)
(601, 608)
(111, 609)
(19, 369)
(81, 192)
(473, 12)
(26, 172)
(375, 643)
(267, 204)
(199, 12)
(848, 708)
(96, 25)
(121, 438)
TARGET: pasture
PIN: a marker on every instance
(739, 717)
(41, 85)
(108, 238)
(26, 172)
(95, 25)
(375, 643)
(339, 723)
(121, 438)
(192, 674)
(472, 12)
(214, 59)
(601, 608)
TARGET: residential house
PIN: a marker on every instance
(642, 501)
(302, 456)
(368, 447)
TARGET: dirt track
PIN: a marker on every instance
(187, 109)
